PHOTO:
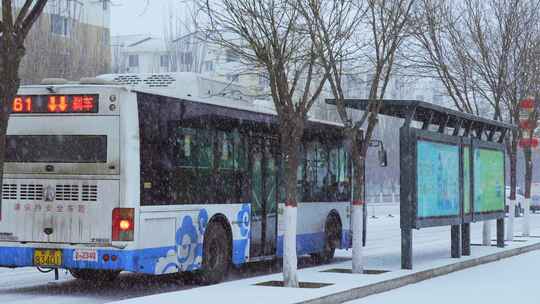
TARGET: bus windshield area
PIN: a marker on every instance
(56, 149)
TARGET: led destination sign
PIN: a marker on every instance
(55, 104)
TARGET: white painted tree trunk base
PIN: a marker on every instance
(511, 216)
(526, 218)
(486, 233)
(358, 224)
(290, 260)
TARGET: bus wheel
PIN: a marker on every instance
(94, 275)
(216, 255)
(331, 241)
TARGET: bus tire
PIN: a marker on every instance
(331, 240)
(94, 275)
(216, 255)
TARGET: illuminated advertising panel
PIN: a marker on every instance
(489, 180)
(55, 104)
(438, 192)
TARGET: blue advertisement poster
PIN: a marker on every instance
(438, 179)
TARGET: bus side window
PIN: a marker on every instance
(184, 147)
(223, 170)
(232, 166)
(210, 166)
(339, 169)
(200, 166)
(157, 167)
(315, 173)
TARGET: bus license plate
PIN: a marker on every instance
(47, 257)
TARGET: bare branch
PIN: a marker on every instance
(29, 21)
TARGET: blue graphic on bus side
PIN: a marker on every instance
(203, 220)
(243, 219)
(186, 240)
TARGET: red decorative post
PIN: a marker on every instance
(527, 124)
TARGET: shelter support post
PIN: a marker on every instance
(406, 248)
(500, 233)
(455, 243)
(466, 239)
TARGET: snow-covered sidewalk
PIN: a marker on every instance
(513, 280)
(433, 253)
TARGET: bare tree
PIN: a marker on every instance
(443, 48)
(531, 86)
(440, 50)
(269, 35)
(185, 43)
(476, 48)
(14, 28)
(523, 82)
(369, 34)
(500, 31)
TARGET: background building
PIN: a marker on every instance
(70, 40)
(140, 54)
(186, 53)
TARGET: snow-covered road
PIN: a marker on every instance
(28, 285)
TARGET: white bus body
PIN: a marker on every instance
(67, 213)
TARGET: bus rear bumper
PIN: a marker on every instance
(13, 257)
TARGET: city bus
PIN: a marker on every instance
(157, 177)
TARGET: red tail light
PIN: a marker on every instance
(123, 224)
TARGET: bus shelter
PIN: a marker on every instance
(452, 171)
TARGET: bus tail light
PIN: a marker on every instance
(123, 225)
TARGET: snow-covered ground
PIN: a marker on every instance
(513, 280)
(383, 251)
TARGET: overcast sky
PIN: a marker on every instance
(139, 16)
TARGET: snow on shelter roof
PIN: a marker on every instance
(422, 111)
(432, 114)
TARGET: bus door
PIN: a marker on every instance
(264, 198)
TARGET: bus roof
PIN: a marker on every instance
(255, 107)
(222, 94)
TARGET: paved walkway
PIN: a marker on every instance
(513, 280)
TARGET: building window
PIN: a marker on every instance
(209, 66)
(105, 38)
(164, 61)
(133, 61)
(186, 58)
(264, 81)
(59, 25)
(231, 56)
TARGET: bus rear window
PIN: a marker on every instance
(56, 149)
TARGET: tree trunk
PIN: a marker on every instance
(291, 134)
(513, 186)
(528, 184)
(358, 161)
(6, 96)
(486, 233)
(12, 36)
(9, 69)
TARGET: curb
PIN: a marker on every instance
(383, 286)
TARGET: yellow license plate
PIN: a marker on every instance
(47, 257)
